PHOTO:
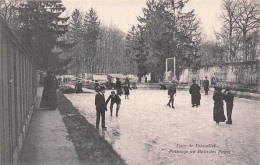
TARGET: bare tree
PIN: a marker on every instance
(248, 21)
(8, 11)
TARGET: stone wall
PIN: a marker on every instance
(246, 73)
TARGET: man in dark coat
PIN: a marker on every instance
(171, 92)
(218, 110)
(114, 99)
(195, 94)
(78, 87)
(206, 86)
(229, 99)
(49, 98)
(100, 106)
(119, 90)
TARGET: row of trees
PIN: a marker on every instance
(239, 38)
(98, 48)
(164, 31)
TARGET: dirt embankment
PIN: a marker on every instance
(90, 147)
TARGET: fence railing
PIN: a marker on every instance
(17, 94)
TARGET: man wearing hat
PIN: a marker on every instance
(206, 85)
(195, 94)
(114, 99)
(171, 92)
(229, 99)
(100, 106)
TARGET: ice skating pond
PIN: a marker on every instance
(147, 131)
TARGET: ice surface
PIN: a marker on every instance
(149, 132)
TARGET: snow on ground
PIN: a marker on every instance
(149, 132)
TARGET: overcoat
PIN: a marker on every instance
(218, 110)
(49, 98)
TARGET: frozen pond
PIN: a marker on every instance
(149, 132)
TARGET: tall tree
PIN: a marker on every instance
(40, 25)
(76, 36)
(91, 32)
(168, 32)
(240, 20)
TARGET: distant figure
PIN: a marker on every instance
(110, 82)
(119, 90)
(127, 92)
(218, 110)
(127, 82)
(114, 99)
(229, 99)
(100, 106)
(114, 82)
(163, 87)
(78, 87)
(195, 94)
(145, 80)
(171, 92)
(206, 86)
(96, 84)
(49, 98)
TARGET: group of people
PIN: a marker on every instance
(218, 111)
(218, 97)
(49, 98)
(114, 98)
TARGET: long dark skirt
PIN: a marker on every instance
(119, 91)
(49, 98)
(218, 113)
(195, 99)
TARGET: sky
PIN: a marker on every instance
(123, 13)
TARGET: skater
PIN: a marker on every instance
(100, 106)
(127, 92)
(229, 99)
(49, 97)
(145, 79)
(119, 90)
(114, 99)
(218, 110)
(195, 94)
(78, 87)
(206, 85)
(127, 82)
(171, 92)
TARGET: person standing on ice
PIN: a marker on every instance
(114, 99)
(119, 90)
(100, 106)
(206, 85)
(127, 92)
(229, 99)
(218, 110)
(195, 94)
(127, 82)
(171, 92)
(49, 97)
(78, 87)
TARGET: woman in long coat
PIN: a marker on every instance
(49, 98)
(218, 110)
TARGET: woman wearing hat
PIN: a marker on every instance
(218, 110)
(49, 98)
